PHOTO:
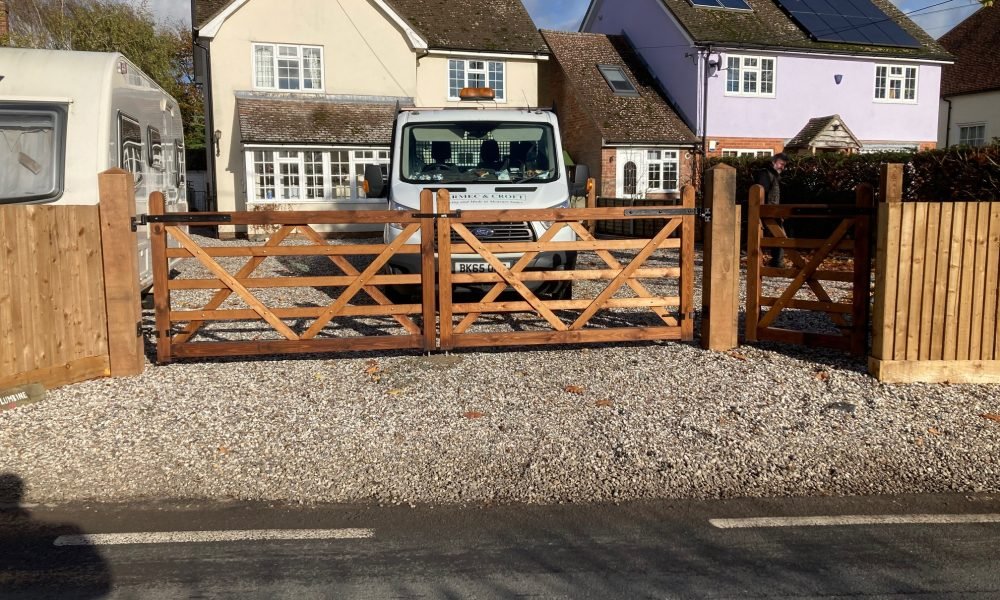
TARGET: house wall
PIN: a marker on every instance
(521, 79)
(661, 43)
(364, 54)
(805, 88)
(580, 136)
(969, 109)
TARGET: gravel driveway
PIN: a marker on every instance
(543, 425)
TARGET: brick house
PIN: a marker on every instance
(750, 75)
(301, 96)
(615, 120)
(970, 88)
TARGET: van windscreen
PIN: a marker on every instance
(32, 152)
(478, 152)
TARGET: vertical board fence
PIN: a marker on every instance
(937, 305)
(56, 263)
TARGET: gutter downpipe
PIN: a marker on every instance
(212, 200)
(704, 113)
(947, 127)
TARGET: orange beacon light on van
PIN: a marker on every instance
(481, 93)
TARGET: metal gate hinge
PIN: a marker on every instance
(448, 215)
(705, 215)
(686, 316)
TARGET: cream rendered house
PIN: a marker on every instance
(301, 95)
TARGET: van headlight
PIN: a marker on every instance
(397, 206)
(563, 204)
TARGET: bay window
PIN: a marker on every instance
(311, 175)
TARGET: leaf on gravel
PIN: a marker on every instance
(574, 389)
(223, 450)
(822, 376)
(396, 391)
(372, 367)
(736, 355)
(474, 414)
(604, 403)
(934, 431)
(319, 376)
(991, 417)
(919, 441)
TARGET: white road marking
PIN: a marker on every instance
(202, 537)
(849, 520)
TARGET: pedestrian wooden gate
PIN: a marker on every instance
(850, 238)
(304, 329)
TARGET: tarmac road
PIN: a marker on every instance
(888, 547)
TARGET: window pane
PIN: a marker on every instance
(312, 69)
(669, 175)
(767, 76)
(654, 176)
(497, 79)
(32, 159)
(456, 77)
(289, 180)
(288, 68)
(630, 182)
(263, 57)
(749, 82)
(315, 176)
(130, 147)
(733, 74)
(340, 173)
(263, 170)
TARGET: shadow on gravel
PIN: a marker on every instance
(32, 566)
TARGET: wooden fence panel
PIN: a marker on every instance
(938, 261)
(53, 324)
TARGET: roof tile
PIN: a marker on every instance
(314, 121)
(975, 42)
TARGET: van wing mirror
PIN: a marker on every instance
(374, 182)
(581, 173)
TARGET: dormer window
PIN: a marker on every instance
(620, 84)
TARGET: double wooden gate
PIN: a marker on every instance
(225, 306)
(839, 260)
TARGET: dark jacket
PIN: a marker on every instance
(770, 180)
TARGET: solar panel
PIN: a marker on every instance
(725, 4)
(847, 21)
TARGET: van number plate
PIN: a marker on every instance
(476, 267)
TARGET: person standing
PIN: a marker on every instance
(770, 179)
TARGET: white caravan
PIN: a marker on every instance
(67, 116)
(488, 159)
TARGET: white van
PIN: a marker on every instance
(67, 116)
(488, 159)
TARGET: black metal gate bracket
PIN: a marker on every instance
(448, 215)
(179, 219)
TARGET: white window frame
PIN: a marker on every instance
(901, 78)
(751, 152)
(743, 68)
(961, 126)
(275, 58)
(356, 161)
(485, 71)
(662, 161)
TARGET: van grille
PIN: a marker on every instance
(497, 232)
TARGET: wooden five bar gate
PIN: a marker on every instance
(438, 236)
(850, 238)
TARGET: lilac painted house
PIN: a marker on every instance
(749, 76)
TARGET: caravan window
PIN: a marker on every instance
(130, 146)
(33, 151)
(155, 152)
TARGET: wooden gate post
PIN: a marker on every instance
(161, 277)
(865, 200)
(721, 275)
(427, 271)
(886, 265)
(755, 235)
(119, 245)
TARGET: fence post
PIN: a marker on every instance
(122, 296)
(721, 270)
(755, 236)
(444, 270)
(161, 276)
(687, 265)
(864, 199)
(427, 268)
(886, 266)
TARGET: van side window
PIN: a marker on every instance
(130, 146)
(154, 154)
(32, 151)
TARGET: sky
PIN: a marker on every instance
(935, 16)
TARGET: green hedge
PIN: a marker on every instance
(957, 174)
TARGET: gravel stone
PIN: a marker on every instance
(533, 425)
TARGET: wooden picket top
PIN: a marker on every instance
(766, 230)
(937, 306)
